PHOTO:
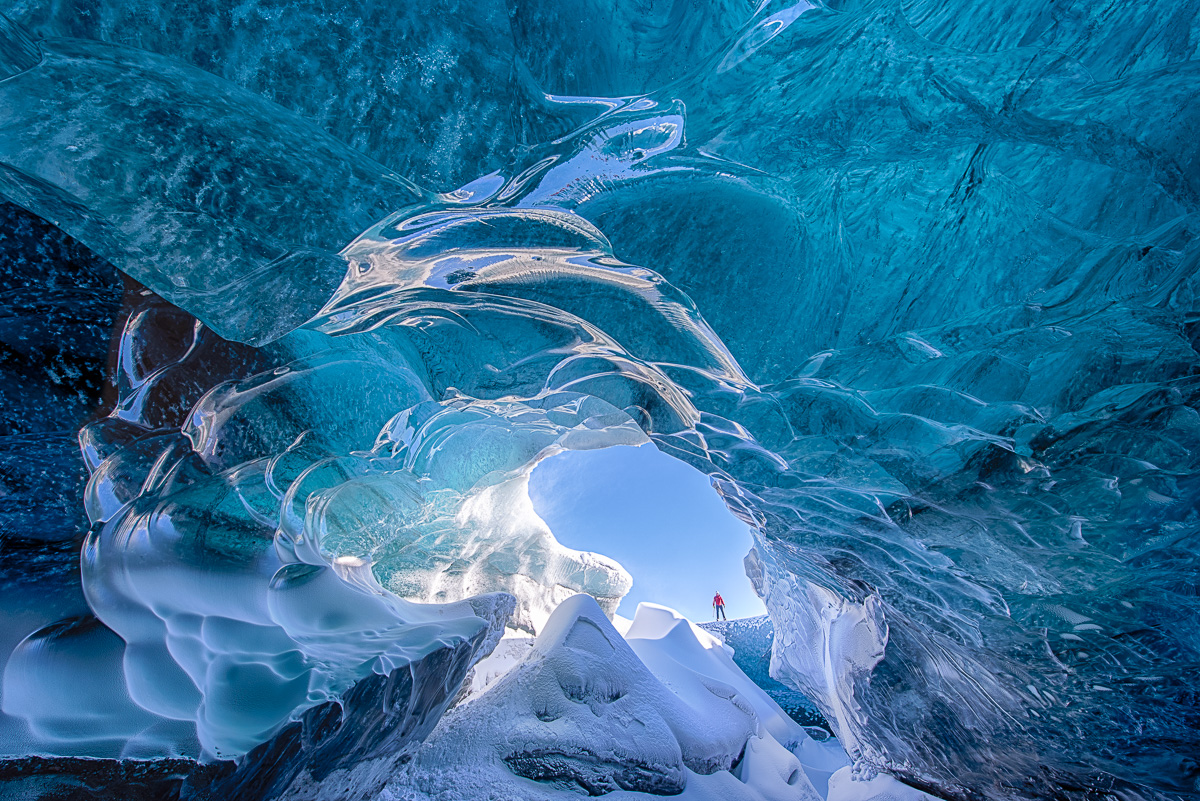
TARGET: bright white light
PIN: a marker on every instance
(660, 518)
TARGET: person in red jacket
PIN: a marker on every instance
(719, 607)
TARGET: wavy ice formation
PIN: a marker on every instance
(914, 283)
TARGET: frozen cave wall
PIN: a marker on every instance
(915, 282)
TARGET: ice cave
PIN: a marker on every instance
(387, 388)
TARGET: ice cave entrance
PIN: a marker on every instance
(660, 518)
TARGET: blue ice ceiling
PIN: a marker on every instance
(915, 283)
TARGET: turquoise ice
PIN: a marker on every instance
(914, 283)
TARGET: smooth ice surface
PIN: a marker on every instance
(253, 563)
(655, 515)
(914, 283)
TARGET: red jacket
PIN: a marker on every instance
(718, 600)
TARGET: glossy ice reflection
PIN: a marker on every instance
(914, 287)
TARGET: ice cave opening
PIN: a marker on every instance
(658, 517)
(916, 284)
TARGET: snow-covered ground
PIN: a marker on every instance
(584, 709)
(751, 639)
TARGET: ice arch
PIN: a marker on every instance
(955, 252)
(658, 517)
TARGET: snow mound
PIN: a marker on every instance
(695, 665)
(843, 786)
(587, 712)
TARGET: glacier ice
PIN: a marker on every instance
(145, 161)
(751, 640)
(258, 553)
(915, 283)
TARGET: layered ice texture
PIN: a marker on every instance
(915, 283)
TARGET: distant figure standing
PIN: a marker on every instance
(719, 607)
